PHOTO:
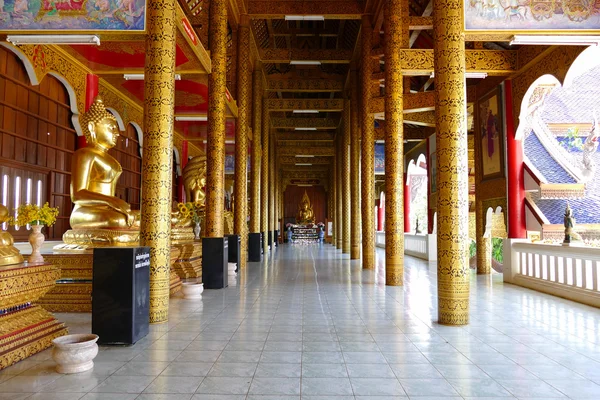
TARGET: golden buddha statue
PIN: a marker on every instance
(305, 213)
(194, 179)
(99, 217)
(8, 252)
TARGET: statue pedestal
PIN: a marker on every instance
(187, 260)
(26, 329)
(102, 237)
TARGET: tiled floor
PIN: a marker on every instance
(312, 324)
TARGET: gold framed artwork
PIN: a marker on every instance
(490, 128)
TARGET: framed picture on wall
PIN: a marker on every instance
(490, 128)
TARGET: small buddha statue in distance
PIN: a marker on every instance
(9, 254)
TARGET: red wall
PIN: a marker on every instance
(293, 195)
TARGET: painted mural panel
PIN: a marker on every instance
(535, 15)
(491, 128)
(76, 15)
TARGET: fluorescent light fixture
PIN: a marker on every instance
(191, 118)
(305, 129)
(305, 62)
(556, 40)
(140, 77)
(469, 75)
(304, 18)
(304, 155)
(302, 163)
(53, 39)
(304, 185)
(229, 141)
(305, 111)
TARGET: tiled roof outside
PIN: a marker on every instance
(585, 210)
(544, 162)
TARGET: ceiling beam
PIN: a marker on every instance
(414, 35)
(291, 123)
(425, 118)
(312, 136)
(420, 61)
(285, 31)
(422, 23)
(409, 133)
(413, 102)
(304, 85)
(304, 160)
(274, 56)
(328, 151)
(305, 104)
(265, 9)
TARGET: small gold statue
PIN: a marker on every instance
(8, 252)
(99, 217)
(305, 213)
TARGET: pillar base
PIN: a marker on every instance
(254, 248)
(276, 238)
(234, 253)
(215, 253)
(270, 240)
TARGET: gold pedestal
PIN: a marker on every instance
(102, 237)
(182, 234)
(26, 329)
(188, 260)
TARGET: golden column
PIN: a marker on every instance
(272, 175)
(215, 147)
(396, 37)
(452, 163)
(244, 77)
(354, 171)
(483, 242)
(339, 192)
(346, 180)
(256, 132)
(157, 163)
(368, 149)
(264, 177)
(333, 186)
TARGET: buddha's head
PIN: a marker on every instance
(100, 126)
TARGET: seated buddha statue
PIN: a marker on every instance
(94, 176)
(8, 252)
(305, 213)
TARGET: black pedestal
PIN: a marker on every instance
(254, 247)
(215, 253)
(121, 294)
(234, 249)
(276, 234)
(270, 240)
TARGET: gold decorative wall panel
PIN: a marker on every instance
(244, 76)
(368, 150)
(157, 163)
(395, 12)
(256, 149)
(215, 146)
(452, 164)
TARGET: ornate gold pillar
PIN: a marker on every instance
(272, 175)
(157, 162)
(333, 186)
(354, 170)
(452, 163)
(256, 133)
(396, 37)
(346, 180)
(340, 191)
(264, 177)
(368, 149)
(215, 147)
(483, 242)
(244, 76)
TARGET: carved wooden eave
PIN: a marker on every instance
(305, 104)
(420, 61)
(292, 160)
(304, 85)
(329, 9)
(333, 56)
(562, 190)
(291, 123)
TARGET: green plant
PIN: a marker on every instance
(573, 139)
(472, 249)
(497, 250)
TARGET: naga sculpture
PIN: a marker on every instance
(589, 148)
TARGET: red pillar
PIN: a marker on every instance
(184, 160)
(91, 91)
(406, 205)
(429, 213)
(517, 228)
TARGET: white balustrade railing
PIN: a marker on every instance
(565, 271)
(420, 246)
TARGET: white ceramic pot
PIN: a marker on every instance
(75, 353)
(192, 290)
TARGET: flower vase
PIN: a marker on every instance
(197, 231)
(36, 239)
